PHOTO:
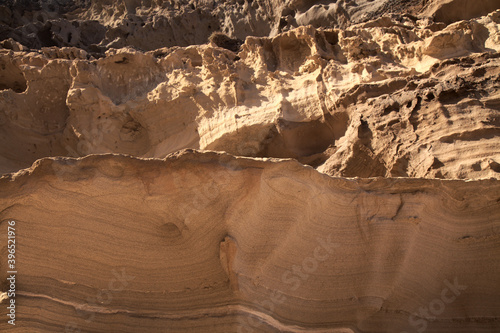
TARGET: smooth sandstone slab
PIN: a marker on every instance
(206, 242)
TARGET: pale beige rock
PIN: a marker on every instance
(449, 11)
(301, 94)
(346, 177)
(223, 244)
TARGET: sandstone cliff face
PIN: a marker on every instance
(391, 97)
(227, 244)
(128, 221)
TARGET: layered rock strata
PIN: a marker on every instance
(210, 242)
(313, 166)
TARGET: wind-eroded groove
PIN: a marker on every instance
(473, 135)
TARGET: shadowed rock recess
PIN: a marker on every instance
(250, 166)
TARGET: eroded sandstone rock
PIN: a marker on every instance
(391, 97)
(345, 177)
(206, 241)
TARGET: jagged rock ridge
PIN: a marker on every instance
(98, 25)
(382, 98)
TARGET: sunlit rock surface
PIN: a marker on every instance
(207, 241)
(324, 166)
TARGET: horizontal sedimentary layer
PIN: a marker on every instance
(204, 241)
(250, 166)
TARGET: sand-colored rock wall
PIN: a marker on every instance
(250, 166)
(383, 98)
(206, 241)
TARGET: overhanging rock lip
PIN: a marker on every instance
(56, 166)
